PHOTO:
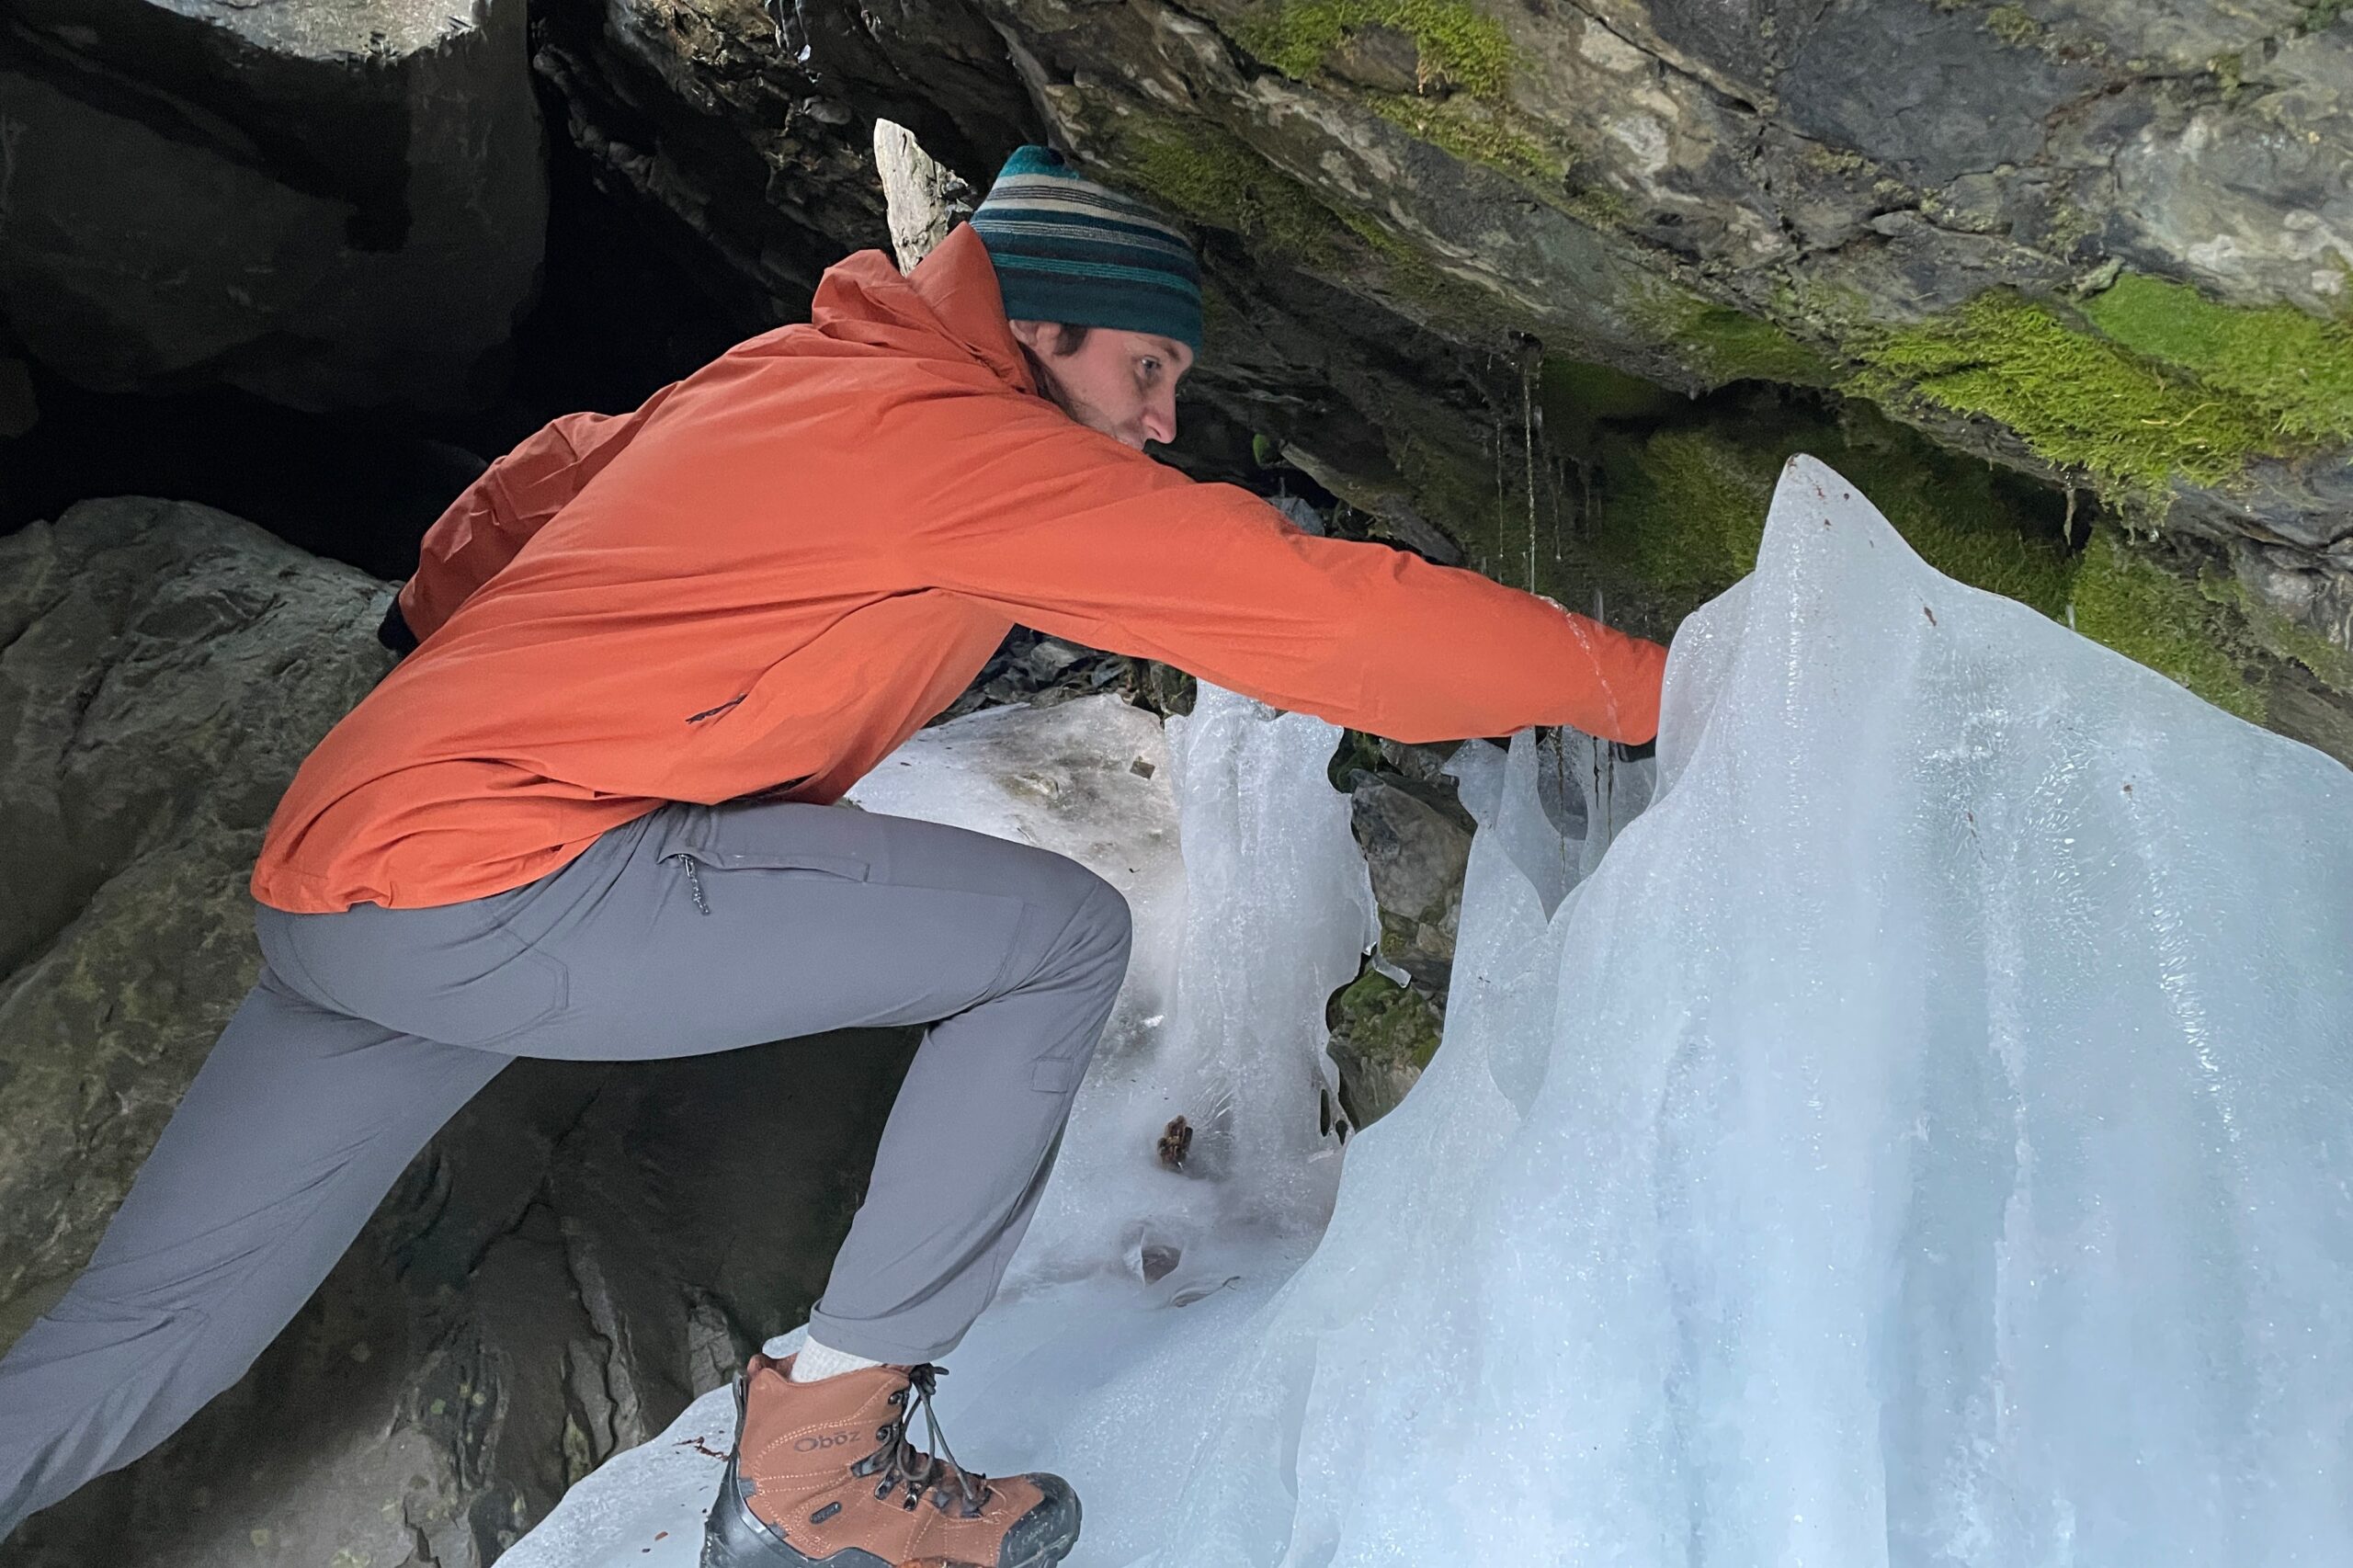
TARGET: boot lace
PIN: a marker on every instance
(900, 1462)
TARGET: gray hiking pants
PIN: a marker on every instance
(695, 929)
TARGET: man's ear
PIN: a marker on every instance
(1034, 336)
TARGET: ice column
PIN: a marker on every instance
(1921, 1141)
(1278, 913)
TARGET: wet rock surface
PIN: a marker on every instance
(2102, 244)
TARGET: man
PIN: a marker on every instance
(587, 818)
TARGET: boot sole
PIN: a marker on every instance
(735, 1536)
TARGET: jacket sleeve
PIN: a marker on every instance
(1076, 536)
(496, 515)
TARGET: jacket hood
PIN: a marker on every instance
(948, 303)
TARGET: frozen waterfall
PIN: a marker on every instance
(1924, 1139)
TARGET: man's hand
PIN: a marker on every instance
(1618, 749)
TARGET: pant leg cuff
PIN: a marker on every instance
(876, 1342)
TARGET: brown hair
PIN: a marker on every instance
(1068, 340)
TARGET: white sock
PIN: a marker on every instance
(816, 1362)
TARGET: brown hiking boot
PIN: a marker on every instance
(825, 1473)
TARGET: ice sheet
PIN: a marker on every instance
(1921, 1141)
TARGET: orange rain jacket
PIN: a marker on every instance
(777, 570)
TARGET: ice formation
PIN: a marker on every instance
(1920, 1140)
(1221, 1021)
(1087, 779)
(1278, 913)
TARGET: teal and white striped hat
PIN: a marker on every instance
(1067, 249)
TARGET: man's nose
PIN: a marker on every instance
(1160, 419)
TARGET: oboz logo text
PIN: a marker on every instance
(831, 1441)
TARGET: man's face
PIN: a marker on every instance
(1123, 384)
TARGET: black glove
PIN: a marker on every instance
(1625, 753)
(395, 632)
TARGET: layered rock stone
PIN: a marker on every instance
(331, 205)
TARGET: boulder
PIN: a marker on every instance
(1416, 842)
(162, 670)
(2081, 237)
(707, 119)
(330, 204)
(924, 197)
(582, 1250)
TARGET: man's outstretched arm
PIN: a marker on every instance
(1090, 541)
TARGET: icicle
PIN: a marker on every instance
(1527, 442)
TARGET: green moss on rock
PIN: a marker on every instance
(2285, 639)
(1455, 42)
(1969, 520)
(2076, 399)
(1386, 1019)
(2013, 26)
(1383, 1035)
(1213, 178)
(1455, 46)
(1472, 130)
(1685, 511)
(2162, 618)
(2255, 632)
(1455, 488)
(2295, 369)
(1726, 345)
(1424, 291)
(1575, 393)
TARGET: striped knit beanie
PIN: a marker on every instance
(1067, 249)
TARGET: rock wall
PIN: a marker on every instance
(2102, 243)
(1462, 258)
(331, 205)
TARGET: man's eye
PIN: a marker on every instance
(1150, 368)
